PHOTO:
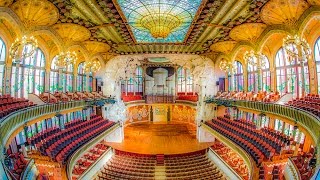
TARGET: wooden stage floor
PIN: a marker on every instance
(160, 138)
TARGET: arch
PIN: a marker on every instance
(271, 42)
(239, 50)
(30, 75)
(288, 75)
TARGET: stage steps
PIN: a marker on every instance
(160, 173)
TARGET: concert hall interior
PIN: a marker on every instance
(159, 89)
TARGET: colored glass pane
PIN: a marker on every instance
(161, 21)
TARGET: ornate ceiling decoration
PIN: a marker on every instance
(126, 27)
(36, 12)
(283, 11)
(224, 46)
(72, 32)
(5, 2)
(96, 47)
(247, 32)
(314, 2)
(162, 21)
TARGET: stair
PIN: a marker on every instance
(160, 173)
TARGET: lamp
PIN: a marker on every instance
(64, 59)
(257, 60)
(228, 67)
(20, 50)
(297, 50)
(92, 66)
(160, 25)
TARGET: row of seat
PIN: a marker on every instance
(261, 96)
(84, 162)
(248, 139)
(309, 103)
(125, 165)
(9, 104)
(194, 165)
(232, 158)
(86, 135)
(69, 96)
(302, 163)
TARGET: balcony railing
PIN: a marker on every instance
(306, 119)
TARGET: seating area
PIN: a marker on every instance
(309, 103)
(261, 96)
(9, 104)
(302, 162)
(19, 163)
(69, 96)
(190, 96)
(62, 143)
(124, 165)
(88, 159)
(130, 96)
(194, 165)
(260, 144)
(232, 158)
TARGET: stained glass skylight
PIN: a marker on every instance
(159, 21)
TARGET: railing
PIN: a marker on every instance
(245, 156)
(291, 171)
(29, 171)
(75, 156)
(234, 174)
(306, 119)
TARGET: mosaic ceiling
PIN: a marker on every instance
(114, 27)
(159, 21)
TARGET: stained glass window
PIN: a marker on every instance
(2, 65)
(81, 78)
(266, 77)
(238, 77)
(61, 82)
(317, 59)
(161, 21)
(185, 80)
(252, 78)
(139, 79)
(289, 78)
(31, 75)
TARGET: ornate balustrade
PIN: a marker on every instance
(291, 171)
(303, 118)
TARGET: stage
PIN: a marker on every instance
(160, 138)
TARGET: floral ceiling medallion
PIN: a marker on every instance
(161, 21)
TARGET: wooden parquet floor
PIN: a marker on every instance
(160, 138)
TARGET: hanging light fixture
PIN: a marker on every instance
(255, 59)
(298, 51)
(92, 66)
(227, 66)
(64, 59)
(23, 48)
(296, 48)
